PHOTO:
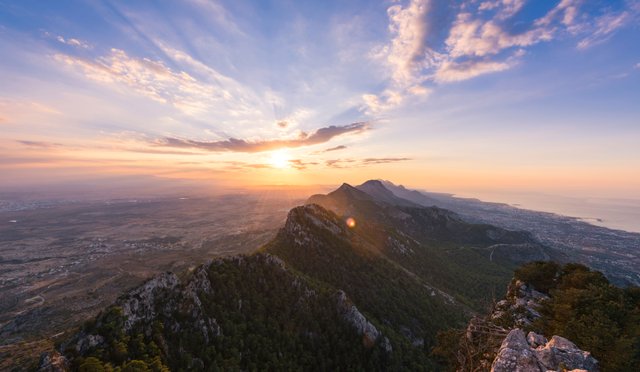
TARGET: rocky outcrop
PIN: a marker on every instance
(161, 297)
(534, 354)
(515, 354)
(562, 352)
(497, 341)
(351, 314)
(53, 362)
(139, 304)
(302, 220)
(520, 306)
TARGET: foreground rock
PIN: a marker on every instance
(528, 354)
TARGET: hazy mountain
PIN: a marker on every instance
(379, 192)
(613, 252)
(391, 216)
(411, 195)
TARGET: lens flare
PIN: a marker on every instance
(351, 222)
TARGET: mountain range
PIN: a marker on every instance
(362, 278)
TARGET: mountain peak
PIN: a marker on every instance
(379, 192)
(348, 189)
(377, 183)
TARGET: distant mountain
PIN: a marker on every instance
(378, 191)
(324, 294)
(382, 215)
(411, 195)
(613, 252)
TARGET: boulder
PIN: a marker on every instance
(560, 351)
(515, 355)
(534, 354)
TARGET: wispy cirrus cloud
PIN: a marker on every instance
(604, 27)
(321, 135)
(157, 81)
(451, 71)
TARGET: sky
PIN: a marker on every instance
(455, 96)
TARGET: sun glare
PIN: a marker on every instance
(279, 159)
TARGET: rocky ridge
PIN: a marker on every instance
(370, 334)
(498, 342)
(184, 307)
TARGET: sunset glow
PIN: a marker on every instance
(279, 159)
(319, 93)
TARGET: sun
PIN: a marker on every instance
(279, 159)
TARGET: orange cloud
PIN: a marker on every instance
(321, 135)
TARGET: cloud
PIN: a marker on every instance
(457, 71)
(39, 144)
(358, 163)
(321, 135)
(604, 27)
(298, 164)
(293, 119)
(482, 37)
(161, 152)
(406, 55)
(213, 9)
(68, 41)
(565, 12)
(408, 48)
(489, 5)
(74, 42)
(339, 163)
(472, 37)
(341, 147)
(383, 160)
(155, 80)
(301, 164)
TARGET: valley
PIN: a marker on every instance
(60, 262)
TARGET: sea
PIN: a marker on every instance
(619, 214)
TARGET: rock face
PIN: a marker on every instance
(515, 354)
(560, 351)
(520, 307)
(139, 304)
(529, 354)
(302, 220)
(162, 296)
(353, 316)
